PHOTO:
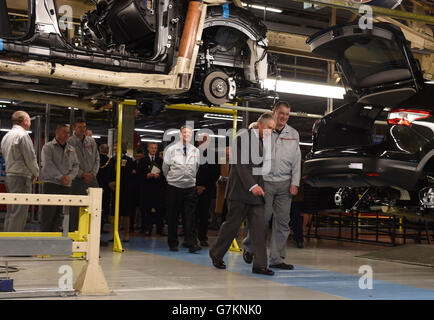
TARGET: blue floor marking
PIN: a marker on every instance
(334, 283)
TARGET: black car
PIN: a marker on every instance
(377, 148)
(187, 51)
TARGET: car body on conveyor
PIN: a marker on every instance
(380, 143)
(187, 51)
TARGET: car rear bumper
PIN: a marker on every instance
(360, 172)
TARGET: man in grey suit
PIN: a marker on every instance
(281, 184)
(245, 196)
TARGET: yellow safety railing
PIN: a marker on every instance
(80, 235)
(86, 239)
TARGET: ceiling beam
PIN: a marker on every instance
(378, 11)
(286, 28)
(53, 99)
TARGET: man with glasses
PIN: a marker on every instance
(181, 162)
(280, 185)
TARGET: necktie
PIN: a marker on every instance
(261, 147)
(185, 150)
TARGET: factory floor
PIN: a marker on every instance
(324, 270)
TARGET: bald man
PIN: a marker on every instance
(21, 168)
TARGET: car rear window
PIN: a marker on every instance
(372, 56)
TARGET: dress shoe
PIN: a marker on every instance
(173, 248)
(218, 263)
(282, 266)
(247, 256)
(194, 248)
(264, 271)
(204, 243)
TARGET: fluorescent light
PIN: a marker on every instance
(305, 144)
(4, 101)
(172, 132)
(430, 82)
(216, 136)
(96, 137)
(221, 117)
(152, 140)
(254, 6)
(305, 88)
(149, 130)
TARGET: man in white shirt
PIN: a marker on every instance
(181, 162)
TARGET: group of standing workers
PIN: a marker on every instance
(69, 165)
(180, 183)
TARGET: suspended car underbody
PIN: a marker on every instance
(134, 49)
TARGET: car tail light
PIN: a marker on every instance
(373, 174)
(406, 117)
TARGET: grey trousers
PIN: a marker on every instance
(237, 212)
(277, 205)
(52, 216)
(16, 215)
(78, 187)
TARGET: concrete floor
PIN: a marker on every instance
(324, 270)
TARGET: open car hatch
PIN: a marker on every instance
(376, 65)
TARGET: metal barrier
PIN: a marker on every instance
(368, 227)
(91, 280)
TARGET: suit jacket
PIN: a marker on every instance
(104, 173)
(152, 190)
(208, 174)
(241, 177)
(125, 183)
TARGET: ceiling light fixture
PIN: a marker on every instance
(221, 117)
(149, 130)
(172, 132)
(305, 88)
(151, 140)
(258, 7)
